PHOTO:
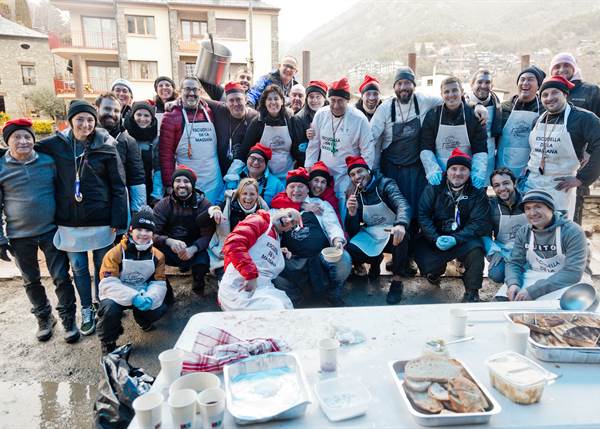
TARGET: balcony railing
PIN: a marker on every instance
(190, 45)
(86, 39)
(92, 86)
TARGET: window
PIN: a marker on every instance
(191, 30)
(98, 33)
(28, 73)
(143, 70)
(231, 28)
(101, 75)
(429, 82)
(2, 104)
(143, 25)
(189, 69)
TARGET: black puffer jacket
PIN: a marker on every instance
(300, 122)
(102, 181)
(436, 213)
(585, 95)
(385, 188)
(130, 155)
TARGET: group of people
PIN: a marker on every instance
(282, 191)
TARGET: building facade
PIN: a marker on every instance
(26, 66)
(140, 40)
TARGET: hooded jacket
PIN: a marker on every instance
(102, 181)
(273, 78)
(574, 247)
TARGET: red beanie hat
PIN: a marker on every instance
(320, 169)
(369, 83)
(299, 175)
(317, 86)
(340, 88)
(356, 161)
(458, 157)
(182, 170)
(557, 82)
(17, 124)
(262, 150)
(233, 87)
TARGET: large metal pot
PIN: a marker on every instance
(212, 65)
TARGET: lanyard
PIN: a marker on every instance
(334, 130)
(78, 171)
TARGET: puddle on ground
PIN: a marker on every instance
(46, 405)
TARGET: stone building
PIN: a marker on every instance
(26, 66)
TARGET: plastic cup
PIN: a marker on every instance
(328, 349)
(148, 410)
(171, 362)
(517, 336)
(211, 403)
(182, 404)
(458, 322)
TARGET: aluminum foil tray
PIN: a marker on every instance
(267, 387)
(453, 419)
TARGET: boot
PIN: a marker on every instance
(71, 334)
(108, 347)
(394, 295)
(45, 326)
(433, 279)
(471, 295)
(198, 282)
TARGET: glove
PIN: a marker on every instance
(147, 304)
(157, 186)
(432, 168)
(233, 184)
(4, 249)
(479, 169)
(435, 178)
(138, 301)
(445, 242)
(495, 259)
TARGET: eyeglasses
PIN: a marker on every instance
(194, 90)
(256, 160)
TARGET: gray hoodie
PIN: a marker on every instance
(574, 247)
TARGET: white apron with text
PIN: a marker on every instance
(373, 238)
(450, 137)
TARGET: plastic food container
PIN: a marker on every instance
(332, 254)
(342, 398)
(518, 378)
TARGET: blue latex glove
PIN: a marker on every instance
(138, 301)
(435, 178)
(231, 185)
(433, 172)
(445, 242)
(478, 182)
(146, 304)
(479, 169)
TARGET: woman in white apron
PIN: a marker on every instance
(197, 149)
(256, 255)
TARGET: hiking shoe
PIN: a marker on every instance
(108, 347)
(88, 321)
(71, 334)
(45, 326)
(394, 295)
(434, 280)
(471, 295)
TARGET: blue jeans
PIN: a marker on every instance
(496, 273)
(81, 273)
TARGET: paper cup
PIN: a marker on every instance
(182, 404)
(148, 410)
(458, 322)
(328, 349)
(517, 336)
(211, 403)
(197, 381)
(171, 362)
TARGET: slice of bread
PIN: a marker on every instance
(432, 368)
(417, 386)
(438, 392)
(465, 396)
(423, 402)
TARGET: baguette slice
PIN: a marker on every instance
(417, 386)
(465, 396)
(437, 369)
(438, 392)
(423, 402)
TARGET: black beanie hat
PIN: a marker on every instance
(81, 106)
(138, 105)
(161, 78)
(536, 71)
(144, 219)
(404, 73)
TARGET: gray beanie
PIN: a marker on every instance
(537, 196)
(404, 73)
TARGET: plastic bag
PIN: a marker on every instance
(120, 385)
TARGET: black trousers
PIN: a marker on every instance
(198, 263)
(26, 252)
(110, 313)
(432, 260)
(399, 255)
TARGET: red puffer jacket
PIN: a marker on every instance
(171, 131)
(242, 238)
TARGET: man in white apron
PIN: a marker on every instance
(549, 254)
(253, 258)
(133, 277)
(377, 219)
(507, 217)
(481, 94)
(518, 116)
(339, 131)
(188, 138)
(558, 143)
(453, 125)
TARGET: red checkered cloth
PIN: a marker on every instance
(214, 348)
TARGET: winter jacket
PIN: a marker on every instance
(436, 213)
(301, 122)
(379, 189)
(102, 181)
(586, 96)
(574, 247)
(111, 287)
(473, 101)
(513, 210)
(171, 131)
(268, 185)
(273, 78)
(534, 105)
(242, 238)
(257, 126)
(27, 196)
(360, 107)
(225, 125)
(431, 124)
(181, 220)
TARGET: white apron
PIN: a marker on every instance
(507, 231)
(204, 159)
(561, 160)
(268, 258)
(333, 150)
(135, 274)
(372, 238)
(279, 140)
(159, 118)
(83, 238)
(450, 137)
(513, 146)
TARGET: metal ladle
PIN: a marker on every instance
(579, 297)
